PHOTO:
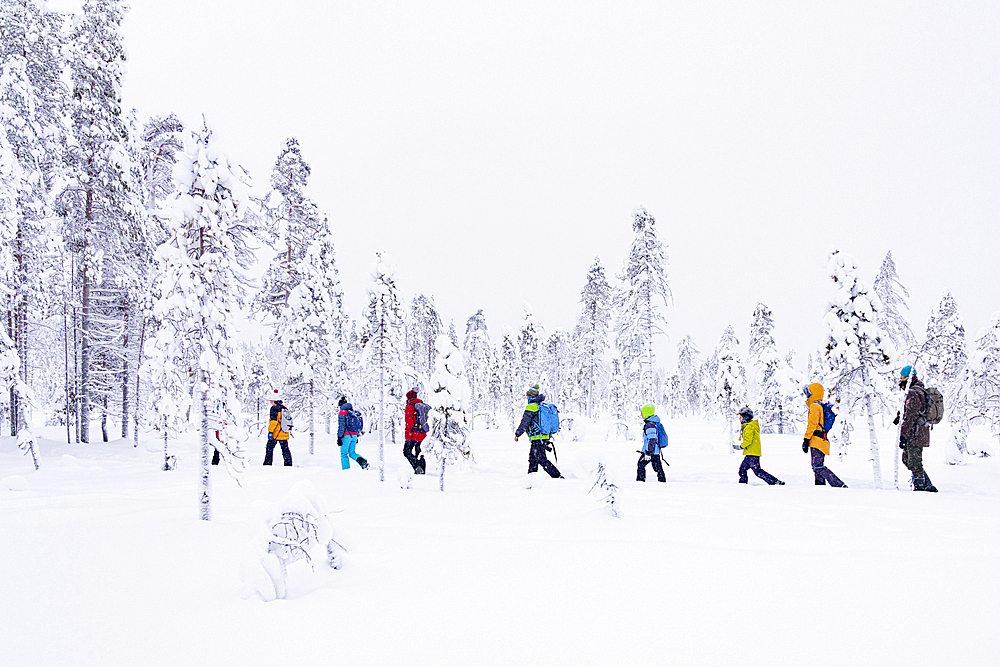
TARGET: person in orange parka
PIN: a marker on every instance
(815, 441)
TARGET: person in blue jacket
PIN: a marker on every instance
(348, 438)
(651, 445)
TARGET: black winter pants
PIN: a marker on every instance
(537, 457)
(823, 474)
(286, 453)
(644, 459)
(751, 462)
(411, 450)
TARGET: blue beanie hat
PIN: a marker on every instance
(906, 370)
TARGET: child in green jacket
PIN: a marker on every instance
(750, 439)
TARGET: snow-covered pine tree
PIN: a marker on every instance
(423, 328)
(893, 296)
(32, 108)
(637, 304)
(788, 407)
(509, 377)
(478, 361)
(858, 355)
(592, 333)
(381, 359)
(558, 367)
(687, 365)
(944, 354)
(105, 222)
(618, 394)
(297, 221)
(729, 392)
(448, 395)
(531, 347)
(309, 330)
(765, 363)
(200, 287)
(980, 389)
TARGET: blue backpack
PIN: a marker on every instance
(420, 411)
(661, 435)
(355, 423)
(829, 416)
(548, 419)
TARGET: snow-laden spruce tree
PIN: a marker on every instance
(557, 368)
(168, 368)
(687, 371)
(297, 221)
(645, 290)
(512, 384)
(980, 390)
(729, 392)
(478, 353)
(531, 346)
(448, 397)
(381, 361)
(782, 397)
(858, 356)
(200, 288)
(310, 331)
(422, 329)
(944, 357)
(592, 333)
(763, 364)
(893, 295)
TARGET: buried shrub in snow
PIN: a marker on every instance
(293, 530)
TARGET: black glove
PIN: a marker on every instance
(895, 422)
(805, 445)
(902, 443)
(340, 441)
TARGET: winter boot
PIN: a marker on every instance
(363, 462)
(928, 484)
(779, 482)
(419, 470)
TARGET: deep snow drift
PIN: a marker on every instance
(105, 562)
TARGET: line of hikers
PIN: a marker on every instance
(920, 412)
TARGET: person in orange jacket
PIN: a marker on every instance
(275, 433)
(815, 441)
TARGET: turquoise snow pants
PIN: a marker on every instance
(347, 450)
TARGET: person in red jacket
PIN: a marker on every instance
(411, 449)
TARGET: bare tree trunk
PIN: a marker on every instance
(205, 501)
(84, 394)
(381, 431)
(104, 418)
(138, 362)
(69, 435)
(125, 371)
(312, 417)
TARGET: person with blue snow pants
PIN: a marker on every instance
(347, 434)
(651, 445)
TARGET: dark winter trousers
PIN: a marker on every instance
(286, 453)
(537, 457)
(913, 459)
(823, 474)
(644, 459)
(411, 450)
(751, 462)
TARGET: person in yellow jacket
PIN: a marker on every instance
(750, 442)
(815, 441)
(275, 433)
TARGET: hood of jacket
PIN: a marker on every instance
(536, 399)
(653, 418)
(346, 406)
(815, 393)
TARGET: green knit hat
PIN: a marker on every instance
(533, 391)
(648, 411)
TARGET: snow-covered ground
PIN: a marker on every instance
(105, 562)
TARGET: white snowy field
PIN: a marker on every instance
(105, 562)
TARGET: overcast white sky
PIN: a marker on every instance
(495, 148)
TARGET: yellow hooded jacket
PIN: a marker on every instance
(815, 422)
(750, 437)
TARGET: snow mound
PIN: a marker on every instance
(14, 483)
(405, 479)
(534, 480)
